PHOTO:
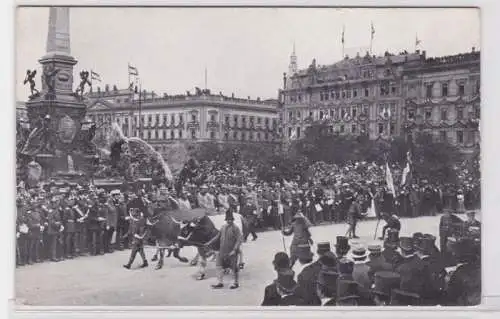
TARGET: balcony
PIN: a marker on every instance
(193, 124)
(212, 125)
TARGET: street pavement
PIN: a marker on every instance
(102, 281)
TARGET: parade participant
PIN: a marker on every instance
(353, 215)
(448, 225)
(384, 283)
(360, 272)
(82, 208)
(95, 225)
(275, 292)
(392, 222)
(55, 228)
(348, 293)
(307, 277)
(69, 226)
(230, 238)
(22, 247)
(137, 232)
(112, 208)
(464, 286)
(34, 222)
(300, 248)
(122, 222)
(390, 253)
(249, 211)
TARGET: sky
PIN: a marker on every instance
(244, 50)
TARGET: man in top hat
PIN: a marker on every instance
(325, 282)
(348, 293)
(55, 228)
(230, 238)
(353, 215)
(284, 290)
(464, 287)
(342, 246)
(390, 253)
(34, 222)
(117, 204)
(411, 269)
(447, 226)
(384, 283)
(307, 277)
(392, 222)
(435, 282)
(113, 210)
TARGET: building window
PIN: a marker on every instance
(460, 137)
(267, 121)
(212, 134)
(289, 132)
(235, 135)
(353, 129)
(150, 120)
(298, 132)
(157, 119)
(226, 135)
(244, 121)
(266, 136)
(226, 119)
(298, 115)
(172, 119)
(212, 117)
(444, 89)
(172, 134)
(442, 136)
(411, 114)
(149, 134)
(354, 112)
(310, 114)
(348, 94)
(259, 120)
(343, 94)
(380, 128)
(243, 136)
(332, 95)
(193, 117)
(142, 120)
(180, 133)
(355, 93)
(258, 136)
(444, 115)
(181, 118)
(165, 134)
(236, 119)
(164, 120)
(290, 116)
(461, 89)
(367, 92)
(321, 115)
(332, 113)
(393, 90)
(428, 90)
(363, 128)
(342, 129)
(392, 128)
(428, 114)
(337, 95)
(250, 136)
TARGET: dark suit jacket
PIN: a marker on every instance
(392, 257)
(464, 287)
(378, 263)
(412, 272)
(307, 283)
(272, 298)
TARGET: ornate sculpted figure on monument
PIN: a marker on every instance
(39, 139)
(49, 77)
(84, 76)
(30, 75)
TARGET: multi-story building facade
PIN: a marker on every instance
(377, 95)
(196, 117)
(443, 99)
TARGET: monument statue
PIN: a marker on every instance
(40, 138)
(30, 75)
(84, 80)
(49, 78)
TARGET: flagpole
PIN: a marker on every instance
(205, 78)
(371, 38)
(343, 41)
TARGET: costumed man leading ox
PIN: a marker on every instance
(204, 233)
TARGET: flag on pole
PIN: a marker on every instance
(373, 30)
(132, 70)
(388, 179)
(407, 176)
(417, 41)
(95, 76)
(343, 32)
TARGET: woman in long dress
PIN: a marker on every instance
(300, 248)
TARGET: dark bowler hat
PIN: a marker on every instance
(345, 266)
(392, 239)
(347, 290)
(286, 282)
(426, 244)
(323, 247)
(385, 281)
(229, 215)
(281, 260)
(406, 244)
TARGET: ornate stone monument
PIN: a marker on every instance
(60, 137)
